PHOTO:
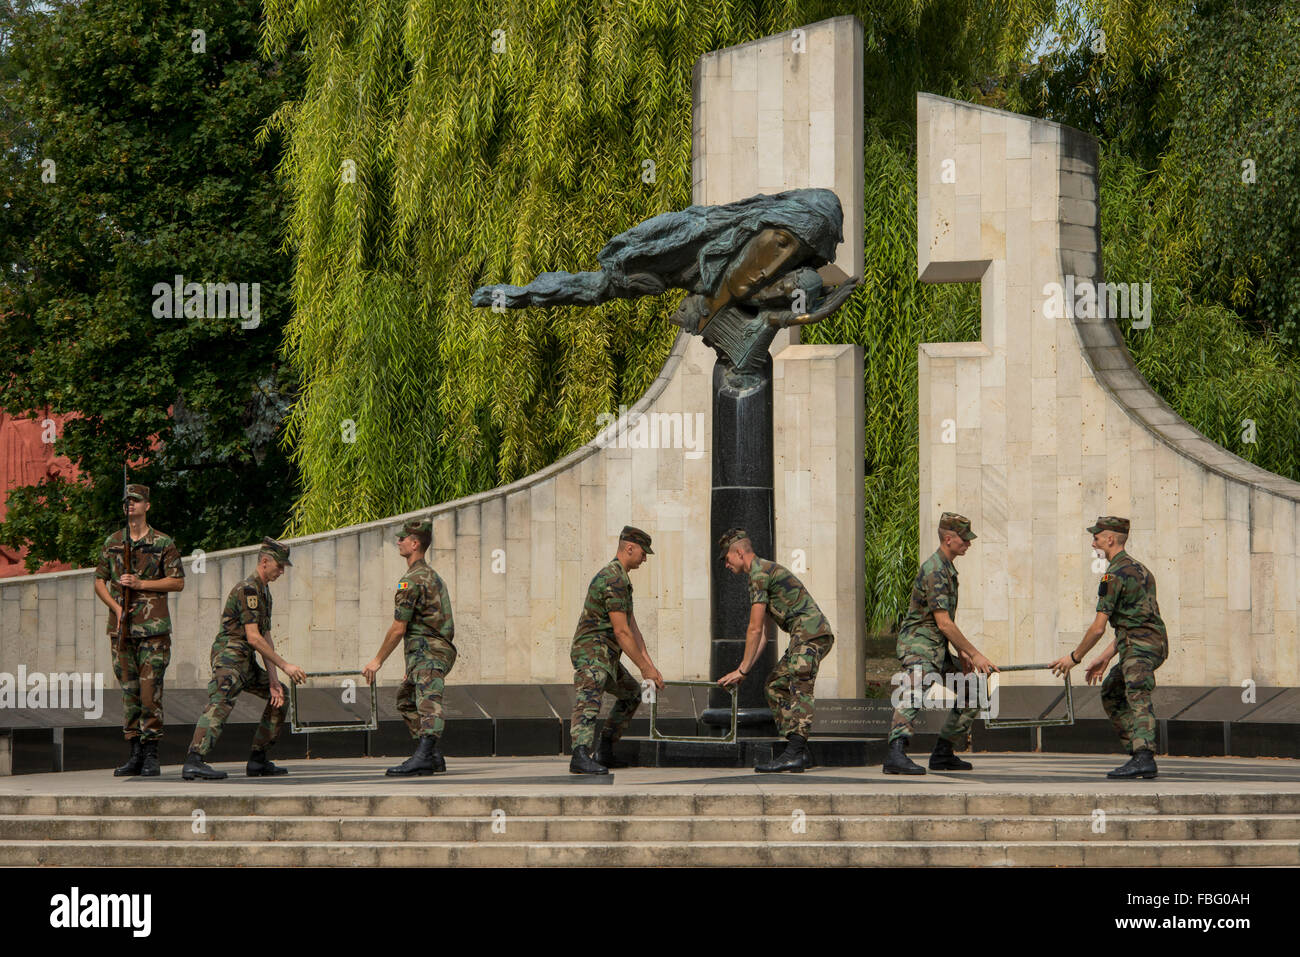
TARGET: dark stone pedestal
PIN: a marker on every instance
(745, 753)
(741, 498)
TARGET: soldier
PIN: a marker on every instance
(140, 659)
(1126, 597)
(245, 629)
(422, 622)
(774, 591)
(923, 640)
(606, 628)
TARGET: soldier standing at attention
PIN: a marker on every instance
(1126, 597)
(606, 629)
(140, 659)
(422, 622)
(245, 630)
(774, 590)
(923, 639)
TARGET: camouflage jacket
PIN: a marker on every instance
(153, 556)
(935, 589)
(422, 602)
(610, 590)
(1127, 595)
(787, 600)
(249, 603)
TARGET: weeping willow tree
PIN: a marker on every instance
(442, 144)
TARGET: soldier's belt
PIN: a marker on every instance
(657, 735)
(996, 723)
(371, 724)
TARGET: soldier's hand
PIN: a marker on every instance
(1096, 670)
(982, 664)
(370, 670)
(1061, 666)
(652, 674)
(277, 693)
(967, 666)
(734, 678)
(296, 674)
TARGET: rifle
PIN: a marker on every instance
(124, 619)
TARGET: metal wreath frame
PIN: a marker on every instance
(1066, 719)
(656, 735)
(371, 725)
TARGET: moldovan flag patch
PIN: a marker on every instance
(402, 586)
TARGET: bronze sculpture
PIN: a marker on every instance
(751, 267)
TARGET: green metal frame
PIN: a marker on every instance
(1066, 719)
(655, 734)
(370, 725)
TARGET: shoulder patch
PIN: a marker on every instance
(252, 601)
(403, 585)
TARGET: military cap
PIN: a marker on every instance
(138, 492)
(636, 537)
(952, 522)
(1109, 523)
(729, 538)
(416, 526)
(276, 550)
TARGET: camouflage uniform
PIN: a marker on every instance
(596, 657)
(789, 687)
(140, 662)
(922, 649)
(423, 603)
(234, 664)
(1127, 595)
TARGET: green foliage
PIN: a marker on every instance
(157, 174)
(1198, 354)
(474, 166)
(1241, 102)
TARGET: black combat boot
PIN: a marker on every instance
(132, 766)
(943, 758)
(260, 766)
(582, 763)
(196, 768)
(419, 764)
(1141, 765)
(439, 762)
(149, 767)
(897, 761)
(795, 757)
(605, 753)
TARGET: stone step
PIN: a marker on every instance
(782, 800)
(642, 829)
(651, 854)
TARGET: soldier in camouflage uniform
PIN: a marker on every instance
(1126, 597)
(606, 628)
(245, 630)
(140, 662)
(923, 639)
(774, 591)
(422, 622)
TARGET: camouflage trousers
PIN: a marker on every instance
(597, 668)
(419, 699)
(1126, 693)
(917, 661)
(789, 687)
(235, 670)
(140, 665)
